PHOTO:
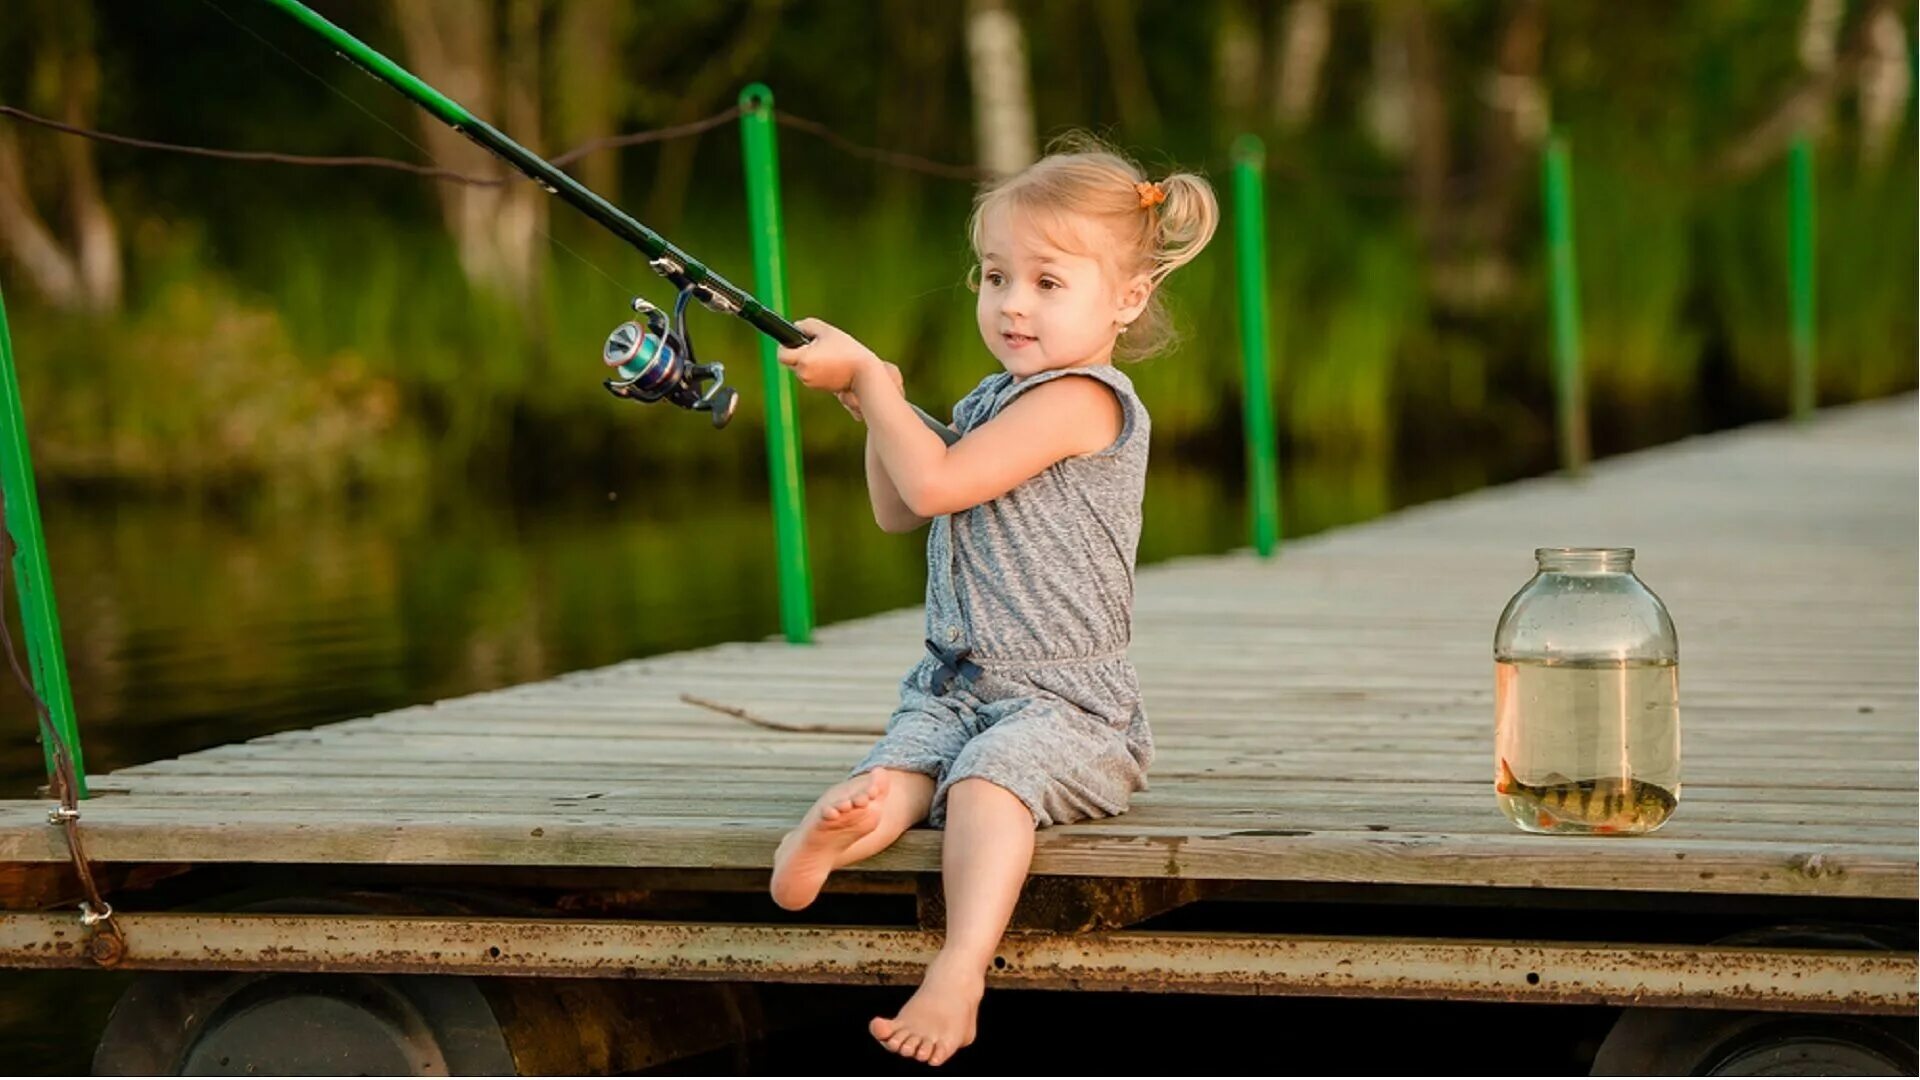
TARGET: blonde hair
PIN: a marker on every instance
(1157, 226)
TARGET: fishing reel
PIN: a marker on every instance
(653, 360)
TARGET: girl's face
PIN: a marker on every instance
(1042, 306)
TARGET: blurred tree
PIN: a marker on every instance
(1236, 62)
(1120, 36)
(1886, 85)
(457, 46)
(1389, 97)
(911, 108)
(1002, 100)
(1432, 147)
(1514, 124)
(81, 269)
(587, 61)
(1808, 106)
(1306, 33)
(710, 86)
(1407, 111)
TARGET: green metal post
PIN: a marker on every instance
(1250, 258)
(762, 159)
(32, 575)
(1569, 381)
(1800, 261)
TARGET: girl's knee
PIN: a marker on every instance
(978, 793)
(909, 784)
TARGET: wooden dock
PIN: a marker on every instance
(1324, 722)
(1323, 716)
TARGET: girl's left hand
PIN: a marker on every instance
(830, 361)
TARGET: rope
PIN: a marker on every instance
(677, 131)
(109, 945)
(895, 158)
(815, 128)
(1457, 184)
(635, 139)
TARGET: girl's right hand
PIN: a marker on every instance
(851, 402)
(831, 359)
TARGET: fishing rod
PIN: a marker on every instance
(653, 359)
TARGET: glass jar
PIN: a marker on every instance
(1586, 699)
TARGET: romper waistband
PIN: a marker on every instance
(1050, 661)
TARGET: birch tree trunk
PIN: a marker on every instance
(1886, 85)
(83, 270)
(1389, 100)
(1305, 35)
(1236, 61)
(49, 267)
(1807, 107)
(1002, 98)
(96, 241)
(452, 44)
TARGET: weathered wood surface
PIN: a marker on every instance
(1326, 716)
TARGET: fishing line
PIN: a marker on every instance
(624, 288)
(251, 32)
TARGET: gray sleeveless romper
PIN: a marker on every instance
(1026, 681)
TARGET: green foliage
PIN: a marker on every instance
(195, 387)
(1341, 352)
(314, 326)
(1865, 324)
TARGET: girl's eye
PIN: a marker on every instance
(994, 278)
(1049, 283)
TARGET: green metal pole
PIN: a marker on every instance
(1800, 261)
(32, 574)
(1250, 258)
(762, 159)
(1569, 381)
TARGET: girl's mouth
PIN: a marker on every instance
(1017, 341)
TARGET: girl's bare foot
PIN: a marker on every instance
(806, 856)
(939, 1019)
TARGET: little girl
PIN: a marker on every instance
(1025, 712)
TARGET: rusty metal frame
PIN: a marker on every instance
(1708, 977)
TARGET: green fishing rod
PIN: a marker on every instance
(652, 361)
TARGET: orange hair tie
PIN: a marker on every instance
(1151, 194)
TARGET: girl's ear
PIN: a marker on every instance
(1134, 297)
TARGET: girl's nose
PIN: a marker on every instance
(1013, 301)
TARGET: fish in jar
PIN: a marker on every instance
(1604, 805)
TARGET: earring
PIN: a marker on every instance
(1123, 327)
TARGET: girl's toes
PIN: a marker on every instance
(909, 1045)
(828, 813)
(923, 1051)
